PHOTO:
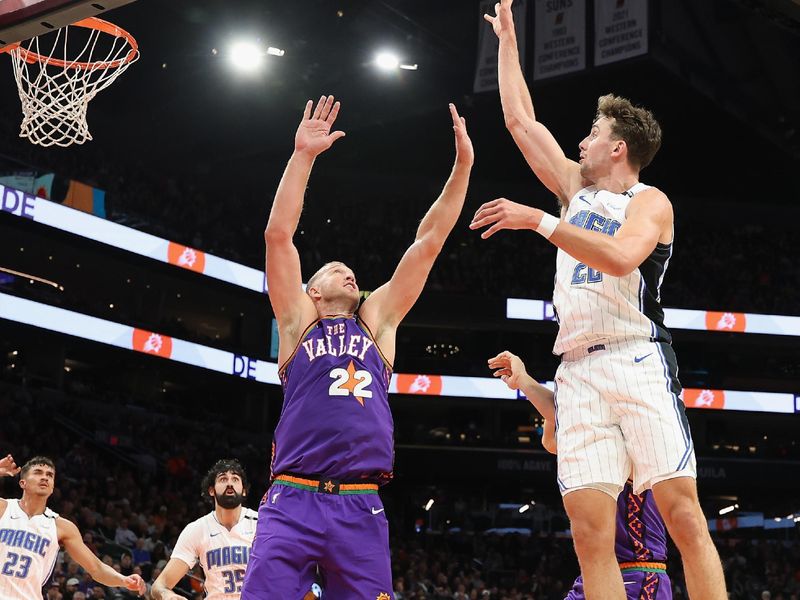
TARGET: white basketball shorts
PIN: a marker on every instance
(618, 411)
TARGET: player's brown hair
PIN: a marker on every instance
(635, 125)
(35, 462)
(319, 273)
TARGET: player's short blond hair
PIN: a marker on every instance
(315, 277)
(635, 125)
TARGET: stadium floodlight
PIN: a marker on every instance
(246, 56)
(387, 61)
(429, 504)
(524, 508)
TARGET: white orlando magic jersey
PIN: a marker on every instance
(592, 306)
(28, 552)
(223, 554)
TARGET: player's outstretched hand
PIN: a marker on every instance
(504, 214)
(510, 368)
(8, 467)
(314, 133)
(135, 583)
(465, 154)
(503, 21)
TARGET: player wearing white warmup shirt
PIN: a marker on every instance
(30, 534)
(220, 541)
(618, 405)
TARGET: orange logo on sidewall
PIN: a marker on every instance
(430, 385)
(713, 399)
(726, 321)
(185, 257)
(152, 343)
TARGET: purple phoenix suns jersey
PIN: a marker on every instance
(335, 420)
(641, 534)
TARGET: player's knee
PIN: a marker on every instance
(686, 523)
(591, 538)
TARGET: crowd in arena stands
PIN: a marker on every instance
(130, 511)
(744, 268)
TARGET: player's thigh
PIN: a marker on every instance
(652, 415)
(591, 447)
(283, 557)
(357, 565)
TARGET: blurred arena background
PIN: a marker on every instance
(137, 345)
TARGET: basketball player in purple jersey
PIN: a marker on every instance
(641, 538)
(618, 404)
(333, 444)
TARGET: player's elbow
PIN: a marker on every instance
(549, 444)
(429, 246)
(518, 125)
(277, 235)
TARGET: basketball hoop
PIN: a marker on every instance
(55, 89)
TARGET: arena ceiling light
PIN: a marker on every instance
(389, 61)
(246, 56)
(728, 509)
(429, 504)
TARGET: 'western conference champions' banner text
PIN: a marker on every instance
(559, 38)
(620, 30)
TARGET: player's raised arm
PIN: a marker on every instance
(70, 537)
(540, 149)
(291, 305)
(648, 221)
(510, 368)
(173, 572)
(387, 306)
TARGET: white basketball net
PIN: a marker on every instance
(56, 87)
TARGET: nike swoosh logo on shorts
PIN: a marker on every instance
(638, 359)
(628, 582)
(377, 511)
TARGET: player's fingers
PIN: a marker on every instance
(491, 231)
(489, 18)
(326, 108)
(307, 110)
(336, 135)
(334, 113)
(484, 219)
(318, 109)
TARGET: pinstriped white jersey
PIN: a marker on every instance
(222, 553)
(592, 306)
(28, 552)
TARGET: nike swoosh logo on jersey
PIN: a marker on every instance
(638, 359)
(15, 517)
(377, 511)
(213, 534)
(584, 199)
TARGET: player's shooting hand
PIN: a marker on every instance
(8, 467)
(464, 151)
(510, 368)
(135, 583)
(314, 133)
(503, 21)
(505, 214)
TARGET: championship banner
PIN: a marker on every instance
(488, 44)
(620, 30)
(559, 38)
